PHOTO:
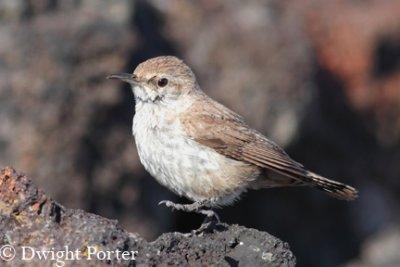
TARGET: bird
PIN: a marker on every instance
(202, 150)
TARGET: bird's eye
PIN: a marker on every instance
(162, 82)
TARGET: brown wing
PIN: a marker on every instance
(219, 128)
(215, 126)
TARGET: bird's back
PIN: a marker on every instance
(215, 126)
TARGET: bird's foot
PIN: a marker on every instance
(211, 220)
(209, 224)
(197, 207)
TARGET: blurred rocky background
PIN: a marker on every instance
(321, 78)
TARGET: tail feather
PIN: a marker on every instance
(333, 188)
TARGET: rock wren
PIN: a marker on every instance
(202, 150)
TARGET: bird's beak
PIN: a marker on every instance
(125, 77)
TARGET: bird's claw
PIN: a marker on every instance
(167, 203)
(195, 207)
(210, 215)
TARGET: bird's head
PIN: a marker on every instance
(159, 79)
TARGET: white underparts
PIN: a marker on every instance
(180, 163)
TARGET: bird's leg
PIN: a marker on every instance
(198, 207)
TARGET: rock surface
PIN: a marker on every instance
(29, 218)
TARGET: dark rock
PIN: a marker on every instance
(29, 218)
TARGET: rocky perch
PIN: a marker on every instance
(34, 229)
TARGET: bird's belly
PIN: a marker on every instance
(190, 169)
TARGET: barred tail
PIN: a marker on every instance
(333, 188)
